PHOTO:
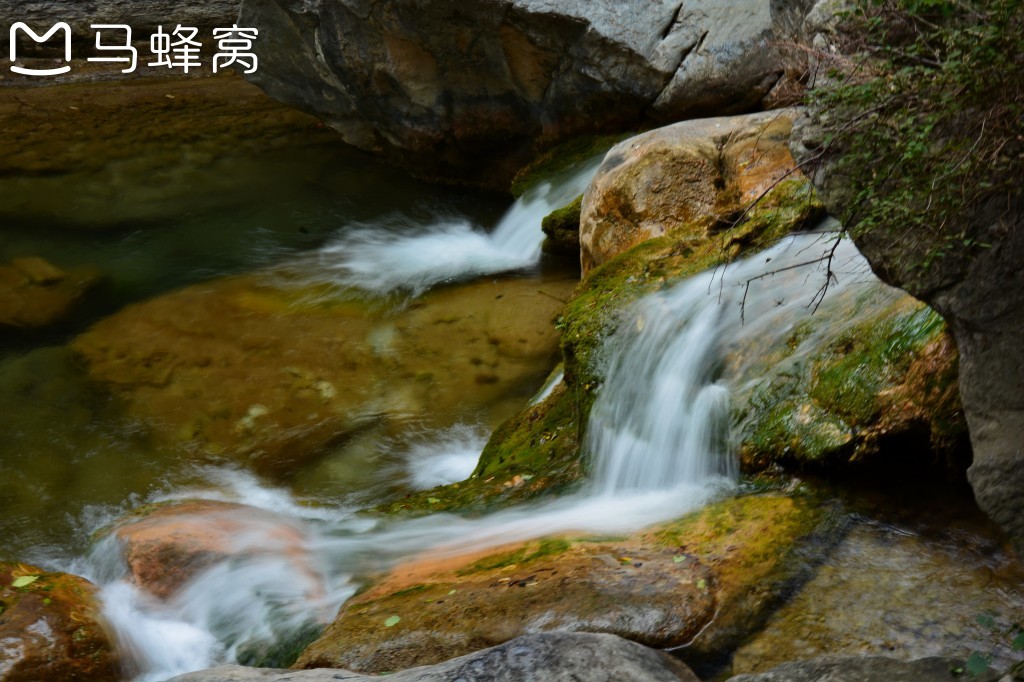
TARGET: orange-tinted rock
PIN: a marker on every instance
(49, 628)
(35, 293)
(274, 376)
(685, 179)
(171, 544)
(707, 580)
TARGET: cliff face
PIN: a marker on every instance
(469, 91)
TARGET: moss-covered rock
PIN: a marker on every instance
(50, 628)
(687, 176)
(562, 228)
(872, 375)
(534, 453)
(704, 581)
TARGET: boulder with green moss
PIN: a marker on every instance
(870, 379)
(705, 580)
(562, 228)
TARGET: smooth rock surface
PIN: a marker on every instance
(554, 657)
(469, 92)
(49, 628)
(691, 175)
(866, 669)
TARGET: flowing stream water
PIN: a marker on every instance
(658, 439)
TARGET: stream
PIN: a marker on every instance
(310, 215)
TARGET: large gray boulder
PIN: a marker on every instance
(469, 91)
(553, 657)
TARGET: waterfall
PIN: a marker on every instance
(658, 438)
(662, 418)
(374, 258)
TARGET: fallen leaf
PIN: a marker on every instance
(24, 580)
(392, 622)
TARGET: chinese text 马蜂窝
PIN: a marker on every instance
(178, 49)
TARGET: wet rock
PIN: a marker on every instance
(50, 628)
(687, 178)
(902, 590)
(554, 656)
(471, 93)
(35, 293)
(870, 380)
(562, 229)
(167, 546)
(273, 375)
(866, 669)
(703, 581)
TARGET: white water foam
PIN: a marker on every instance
(658, 438)
(376, 258)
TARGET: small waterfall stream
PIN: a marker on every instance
(658, 439)
(376, 260)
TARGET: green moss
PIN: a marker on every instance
(597, 306)
(562, 228)
(561, 158)
(523, 555)
(282, 652)
(532, 454)
(830, 405)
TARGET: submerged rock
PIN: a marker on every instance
(274, 374)
(553, 656)
(165, 547)
(867, 669)
(688, 178)
(704, 581)
(50, 628)
(470, 92)
(36, 293)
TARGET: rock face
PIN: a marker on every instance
(49, 628)
(469, 92)
(554, 656)
(696, 175)
(866, 669)
(706, 581)
(163, 549)
(35, 293)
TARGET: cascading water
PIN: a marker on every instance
(658, 440)
(376, 260)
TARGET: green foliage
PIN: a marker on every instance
(923, 123)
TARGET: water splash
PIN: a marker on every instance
(378, 258)
(658, 437)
